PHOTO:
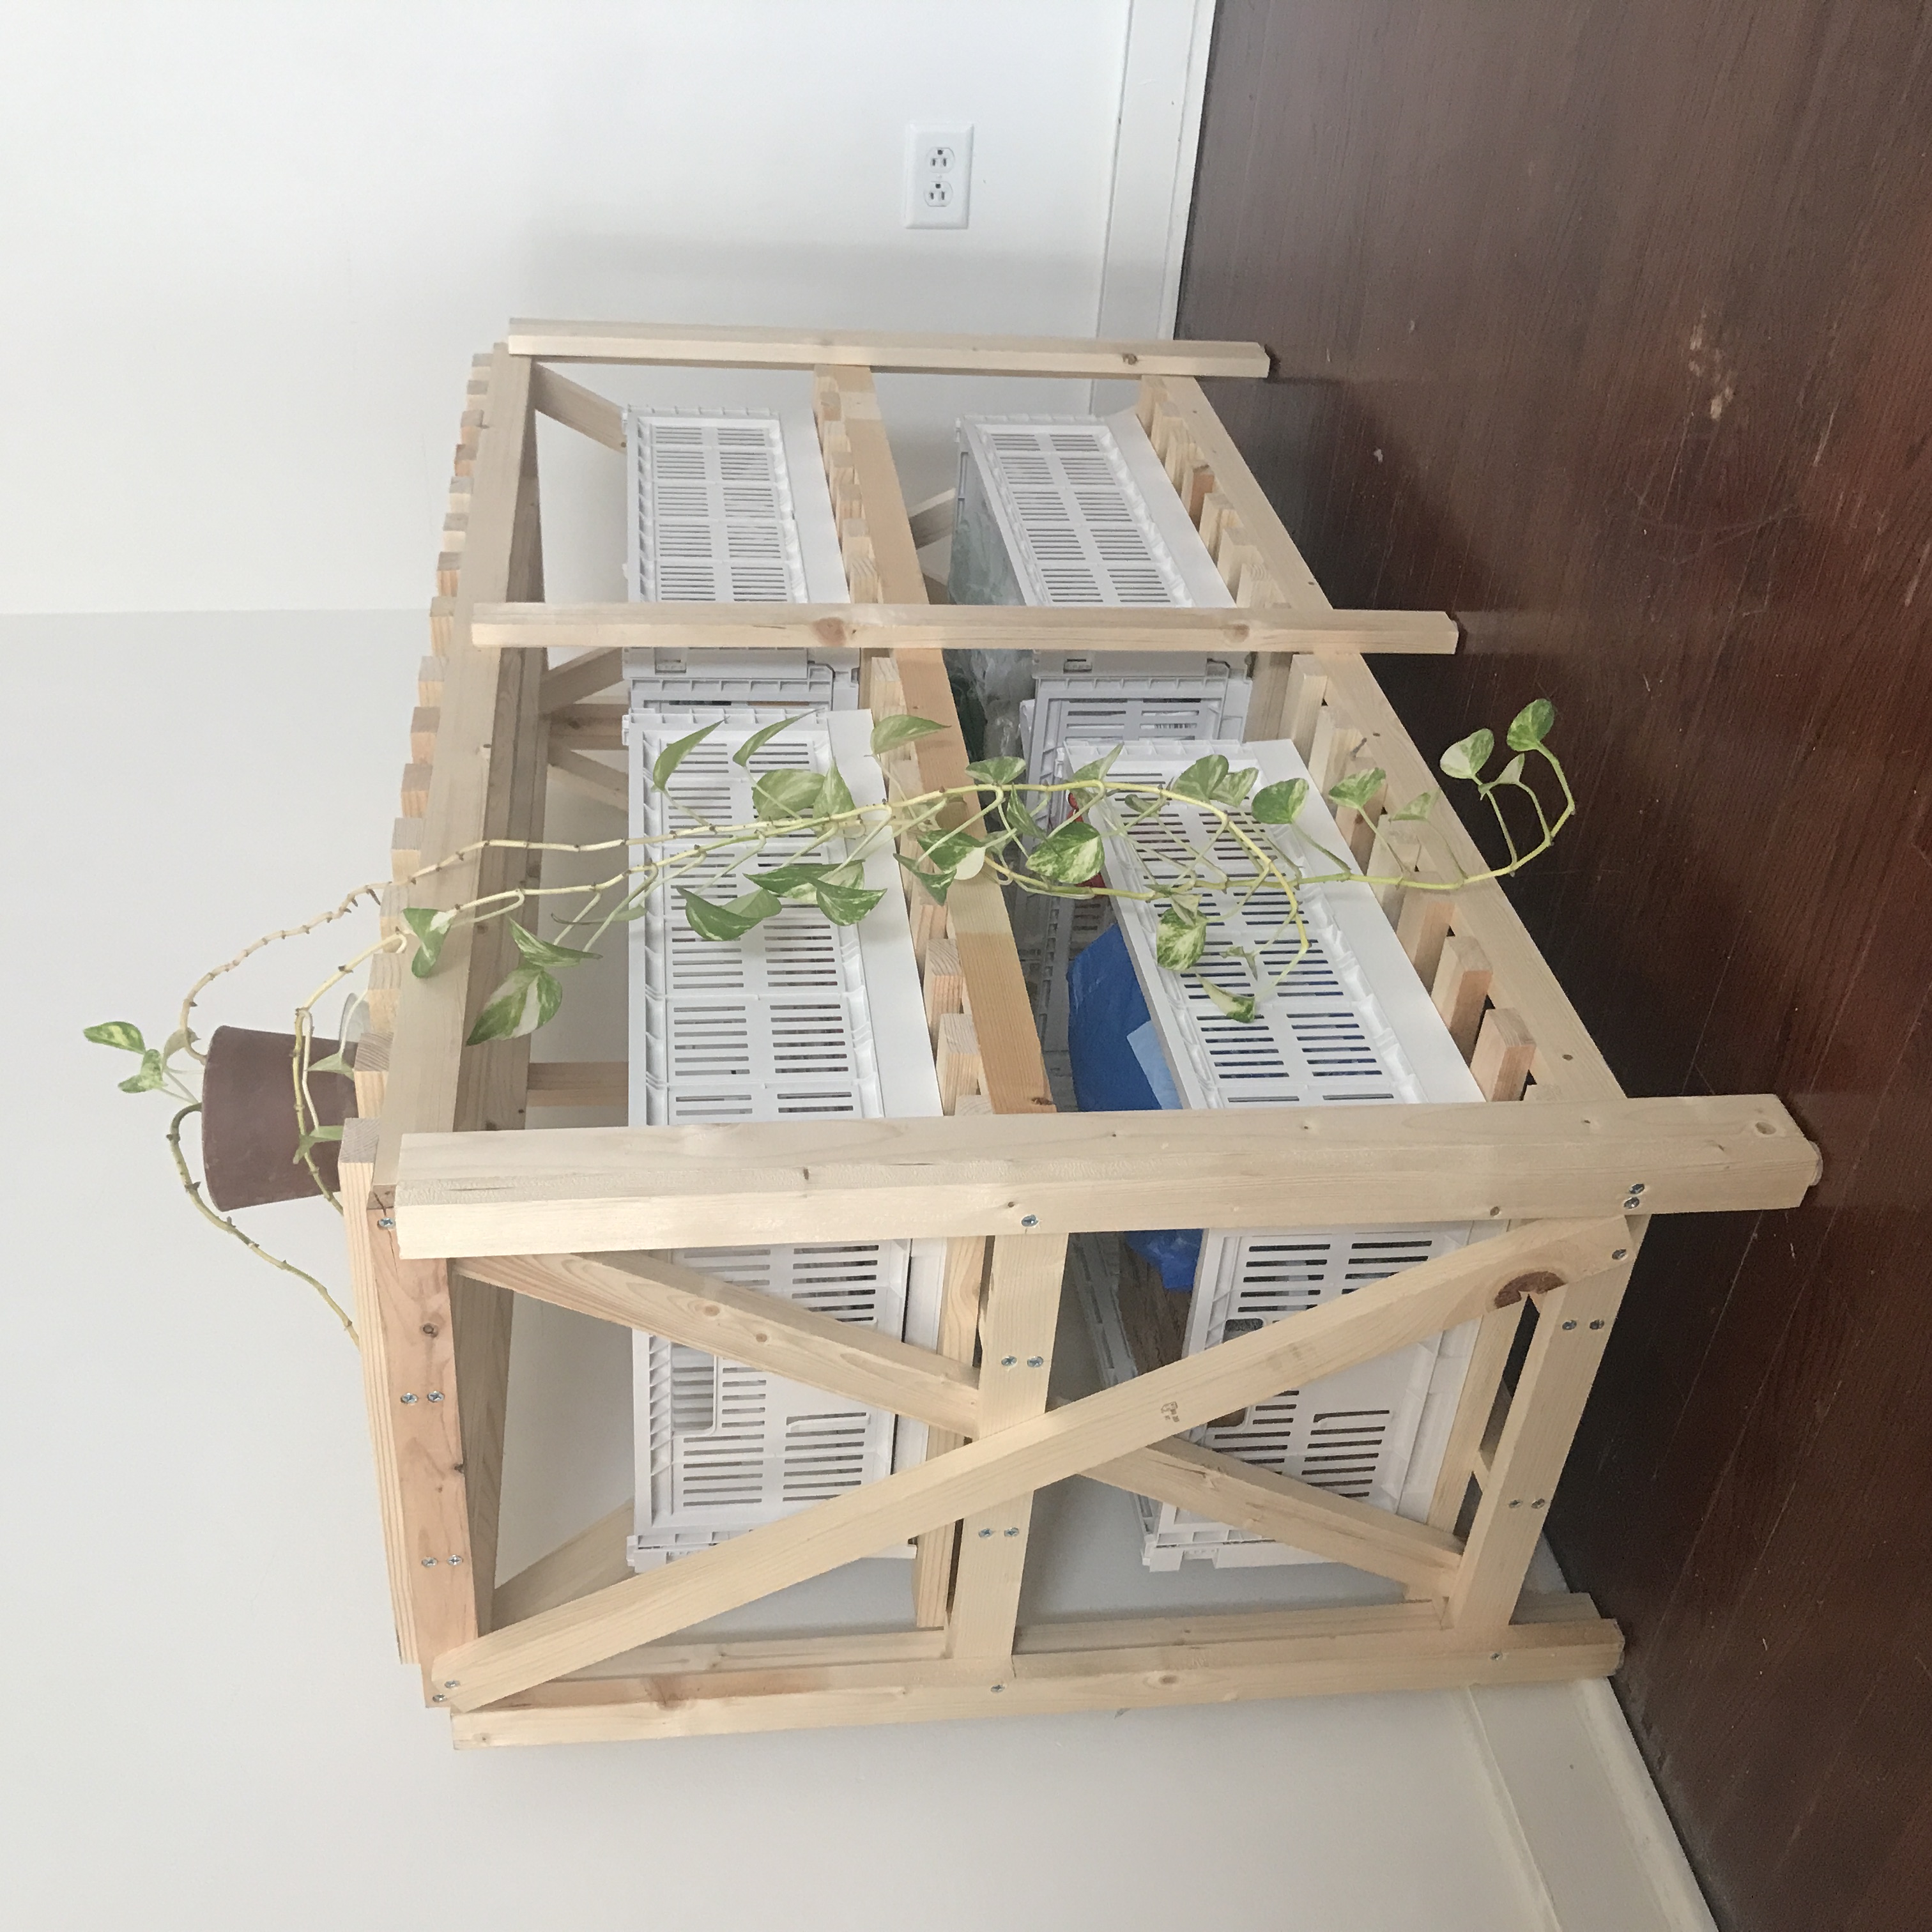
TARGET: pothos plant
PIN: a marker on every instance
(806, 845)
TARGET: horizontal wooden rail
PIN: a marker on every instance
(693, 346)
(955, 627)
(585, 1189)
(1025, 1455)
(1393, 1647)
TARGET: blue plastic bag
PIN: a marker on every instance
(1118, 1068)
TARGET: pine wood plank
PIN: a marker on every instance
(696, 347)
(552, 394)
(586, 1188)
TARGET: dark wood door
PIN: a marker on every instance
(1609, 328)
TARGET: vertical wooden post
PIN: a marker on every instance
(1573, 1326)
(1015, 1354)
(959, 1333)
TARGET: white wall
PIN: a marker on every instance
(249, 249)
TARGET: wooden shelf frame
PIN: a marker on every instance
(455, 1215)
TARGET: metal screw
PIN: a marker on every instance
(385, 1222)
(1635, 1187)
(429, 1562)
(1539, 1502)
(997, 1688)
(1568, 1326)
(1618, 1254)
(1035, 1361)
(1496, 1656)
(409, 1398)
(985, 1532)
(1007, 1361)
(1516, 1502)
(439, 1698)
(1631, 1203)
(456, 1559)
(1596, 1324)
(1012, 1532)
(451, 1683)
(435, 1395)
(1026, 1221)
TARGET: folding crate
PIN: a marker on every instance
(1351, 1023)
(800, 1020)
(731, 507)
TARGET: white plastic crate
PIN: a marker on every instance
(731, 507)
(1074, 511)
(1351, 1023)
(800, 1019)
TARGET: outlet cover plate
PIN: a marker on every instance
(939, 175)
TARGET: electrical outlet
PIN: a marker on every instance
(938, 176)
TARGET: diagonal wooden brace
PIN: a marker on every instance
(663, 1297)
(1383, 1315)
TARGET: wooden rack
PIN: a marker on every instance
(454, 1213)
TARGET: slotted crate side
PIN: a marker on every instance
(731, 507)
(799, 1019)
(1351, 1023)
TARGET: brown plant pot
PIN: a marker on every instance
(248, 1134)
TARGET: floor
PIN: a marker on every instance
(1604, 327)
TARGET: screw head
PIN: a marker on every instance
(1539, 1502)
(429, 1563)
(386, 1221)
(1013, 1532)
(435, 1395)
(985, 1533)
(1635, 1187)
(409, 1398)
(1026, 1221)
(451, 1683)
(439, 1698)
(1516, 1502)
(1596, 1324)
(454, 1558)
(1568, 1326)
(1007, 1361)
(997, 1688)
(1035, 1361)
(1618, 1254)
(1496, 1656)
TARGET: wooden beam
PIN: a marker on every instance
(579, 1083)
(1016, 1332)
(585, 776)
(1027, 1456)
(696, 346)
(1488, 1358)
(933, 518)
(1397, 1656)
(882, 503)
(555, 395)
(958, 1335)
(588, 1189)
(593, 1559)
(1572, 1328)
(577, 678)
(917, 626)
(1297, 1514)
(661, 1297)
(588, 728)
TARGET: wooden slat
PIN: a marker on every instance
(958, 1335)
(1297, 1514)
(555, 395)
(593, 1559)
(1324, 1662)
(566, 683)
(589, 778)
(588, 728)
(1523, 979)
(1572, 1329)
(1500, 1062)
(1488, 1358)
(586, 1189)
(660, 1296)
(910, 624)
(1016, 1333)
(933, 518)
(579, 1083)
(695, 346)
(1461, 988)
(888, 526)
(1024, 1457)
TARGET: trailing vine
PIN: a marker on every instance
(997, 824)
